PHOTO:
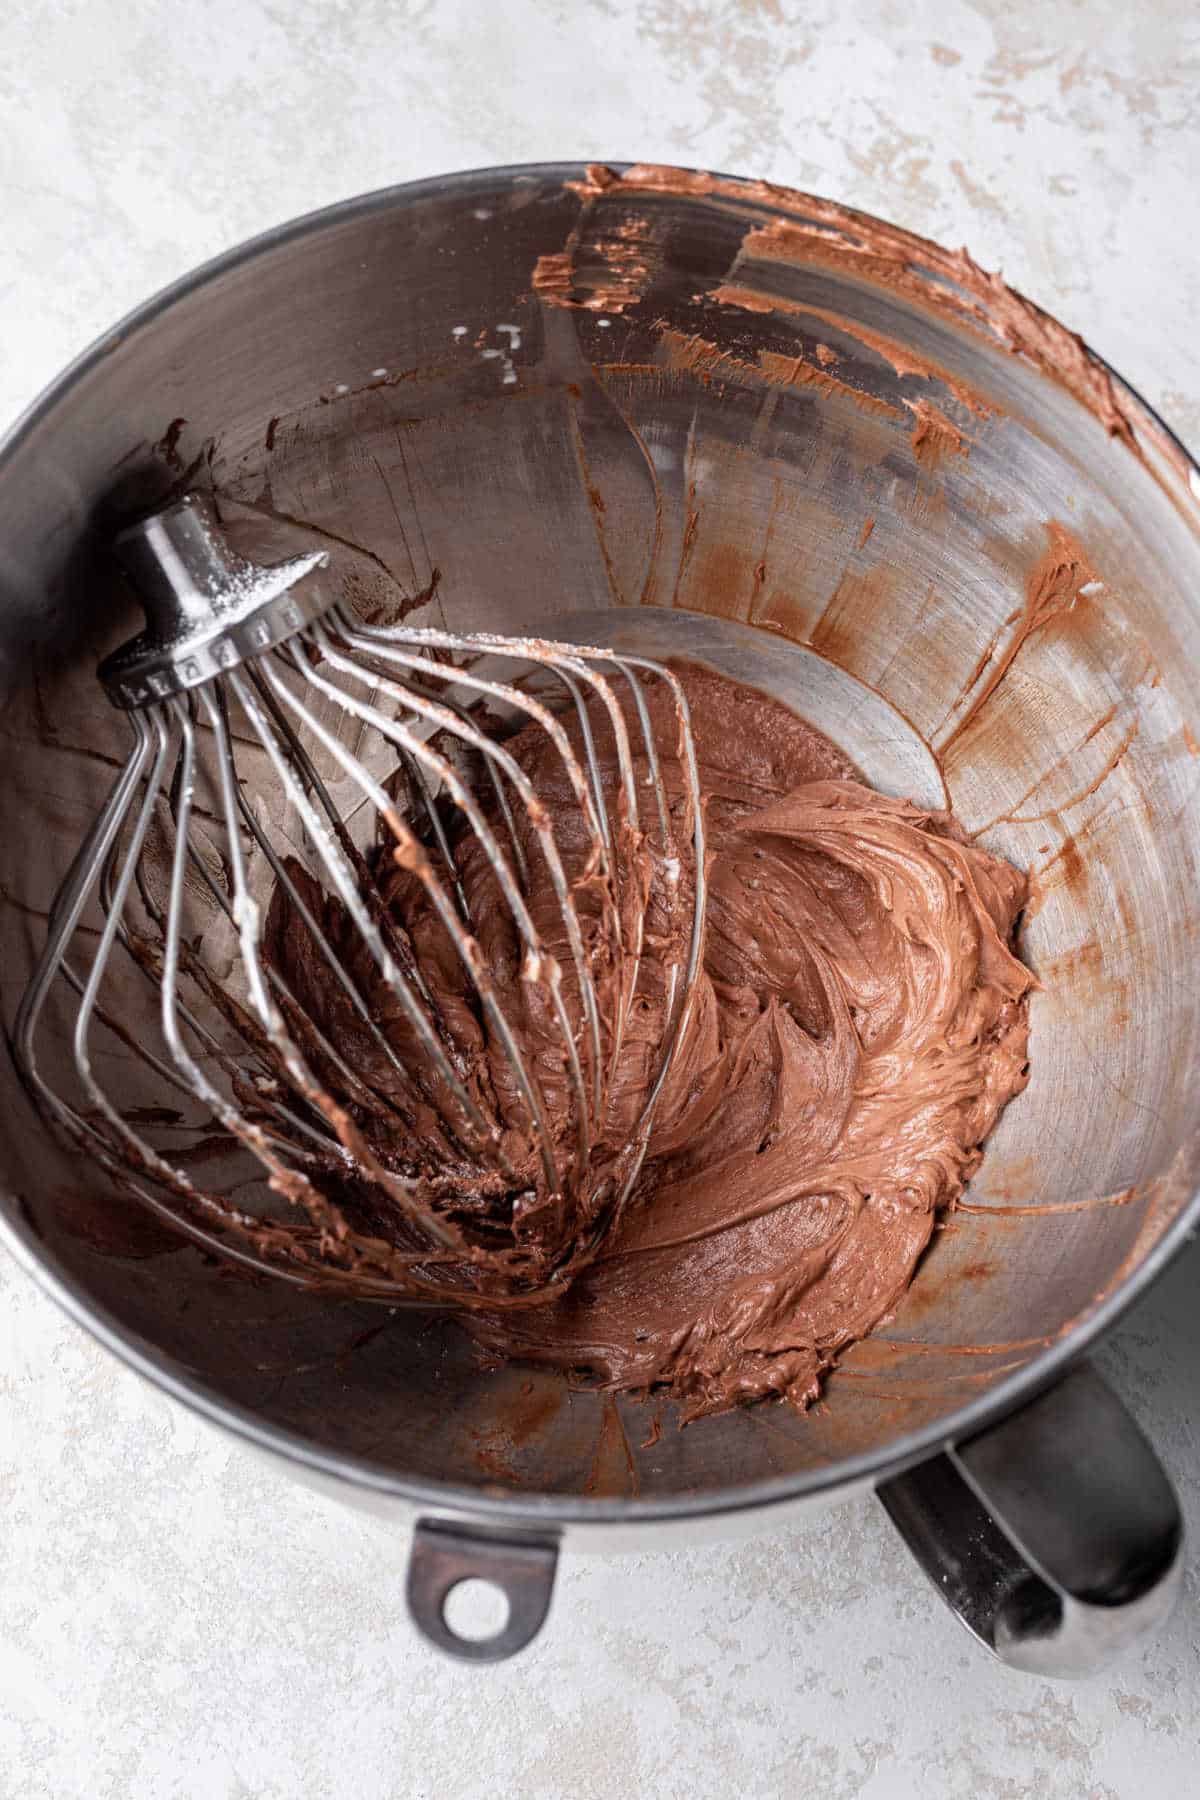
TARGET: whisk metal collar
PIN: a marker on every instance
(207, 608)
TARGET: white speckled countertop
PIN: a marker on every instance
(144, 1651)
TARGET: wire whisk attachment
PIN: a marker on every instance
(378, 957)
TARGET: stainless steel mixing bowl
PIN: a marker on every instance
(716, 419)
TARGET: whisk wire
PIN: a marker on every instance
(209, 901)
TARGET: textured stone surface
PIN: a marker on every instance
(174, 1619)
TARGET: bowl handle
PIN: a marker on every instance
(444, 1554)
(1055, 1535)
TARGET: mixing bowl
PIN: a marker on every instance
(693, 416)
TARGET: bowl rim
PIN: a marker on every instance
(532, 1508)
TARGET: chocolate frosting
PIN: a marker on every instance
(858, 1026)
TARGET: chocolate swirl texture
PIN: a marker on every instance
(860, 1023)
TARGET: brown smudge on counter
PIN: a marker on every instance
(868, 528)
(933, 436)
(1055, 585)
(269, 439)
(1189, 738)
